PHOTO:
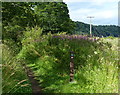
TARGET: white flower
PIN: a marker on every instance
(95, 52)
(89, 56)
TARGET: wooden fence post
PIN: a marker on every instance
(71, 66)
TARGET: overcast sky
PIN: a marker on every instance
(105, 12)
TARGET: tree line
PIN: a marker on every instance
(50, 16)
(97, 30)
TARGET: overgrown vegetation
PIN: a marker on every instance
(46, 15)
(48, 56)
(14, 79)
(46, 51)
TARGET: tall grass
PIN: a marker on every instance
(14, 79)
(0, 69)
(96, 68)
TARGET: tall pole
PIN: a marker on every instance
(90, 24)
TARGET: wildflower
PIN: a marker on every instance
(89, 56)
(95, 52)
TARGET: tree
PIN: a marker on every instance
(16, 16)
(100, 30)
(51, 16)
(54, 17)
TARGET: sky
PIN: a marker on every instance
(105, 12)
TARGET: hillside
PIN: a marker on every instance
(100, 30)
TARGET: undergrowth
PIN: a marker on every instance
(96, 63)
(14, 79)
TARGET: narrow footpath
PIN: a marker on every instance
(36, 89)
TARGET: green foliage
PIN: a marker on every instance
(51, 16)
(54, 17)
(16, 16)
(33, 44)
(13, 45)
(100, 30)
(12, 82)
(49, 58)
(31, 35)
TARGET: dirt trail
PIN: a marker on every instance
(34, 83)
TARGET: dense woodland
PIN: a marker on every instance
(49, 16)
(42, 37)
(97, 30)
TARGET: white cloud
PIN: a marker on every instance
(97, 1)
(104, 13)
(82, 11)
(94, 12)
(107, 14)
